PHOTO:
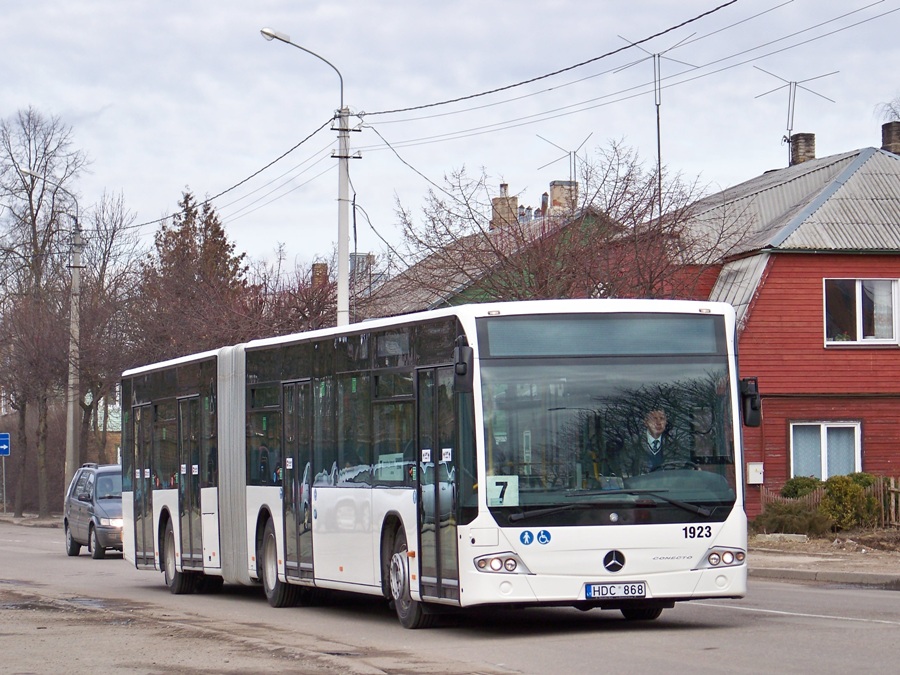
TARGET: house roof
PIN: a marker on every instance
(847, 202)
(440, 279)
(843, 202)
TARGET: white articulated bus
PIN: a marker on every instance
(492, 454)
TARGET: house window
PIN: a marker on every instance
(824, 449)
(860, 310)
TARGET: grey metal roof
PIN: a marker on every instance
(843, 202)
(737, 283)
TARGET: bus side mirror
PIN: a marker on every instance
(751, 405)
(463, 372)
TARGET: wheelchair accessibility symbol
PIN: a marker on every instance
(543, 537)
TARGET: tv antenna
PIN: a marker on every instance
(571, 154)
(657, 99)
(792, 97)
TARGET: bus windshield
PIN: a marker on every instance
(608, 439)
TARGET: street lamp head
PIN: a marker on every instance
(270, 34)
(33, 174)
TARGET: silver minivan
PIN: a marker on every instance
(92, 514)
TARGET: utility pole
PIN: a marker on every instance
(343, 270)
(343, 157)
(72, 427)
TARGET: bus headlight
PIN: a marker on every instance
(722, 557)
(501, 563)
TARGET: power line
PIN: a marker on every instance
(538, 117)
(236, 185)
(678, 79)
(555, 72)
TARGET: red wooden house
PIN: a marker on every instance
(815, 280)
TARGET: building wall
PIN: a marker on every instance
(783, 342)
(879, 419)
(801, 380)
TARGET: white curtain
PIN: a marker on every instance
(806, 445)
(879, 297)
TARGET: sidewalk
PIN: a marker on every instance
(32, 520)
(860, 567)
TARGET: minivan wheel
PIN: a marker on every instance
(97, 551)
(72, 546)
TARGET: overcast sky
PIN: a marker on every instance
(186, 94)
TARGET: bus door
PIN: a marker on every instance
(189, 483)
(144, 540)
(297, 477)
(439, 572)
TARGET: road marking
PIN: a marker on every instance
(799, 614)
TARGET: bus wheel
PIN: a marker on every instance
(278, 593)
(641, 613)
(179, 583)
(410, 613)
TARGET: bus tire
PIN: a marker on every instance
(411, 613)
(72, 546)
(278, 593)
(97, 551)
(179, 583)
(641, 613)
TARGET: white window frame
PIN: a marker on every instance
(863, 341)
(823, 448)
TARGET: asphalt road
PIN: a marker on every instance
(78, 615)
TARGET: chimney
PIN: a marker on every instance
(319, 275)
(890, 137)
(803, 148)
(545, 205)
(504, 208)
(563, 196)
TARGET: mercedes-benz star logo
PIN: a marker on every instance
(614, 561)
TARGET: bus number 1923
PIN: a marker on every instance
(697, 531)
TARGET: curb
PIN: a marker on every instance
(31, 521)
(882, 581)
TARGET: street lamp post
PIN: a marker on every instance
(72, 390)
(343, 156)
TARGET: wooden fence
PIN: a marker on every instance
(885, 490)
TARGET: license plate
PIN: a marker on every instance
(626, 589)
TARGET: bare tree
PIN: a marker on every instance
(109, 283)
(890, 111)
(283, 301)
(607, 239)
(37, 164)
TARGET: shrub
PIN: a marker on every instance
(794, 518)
(800, 486)
(862, 479)
(845, 502)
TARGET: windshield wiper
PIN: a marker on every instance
(687, 506)
(515, 517)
